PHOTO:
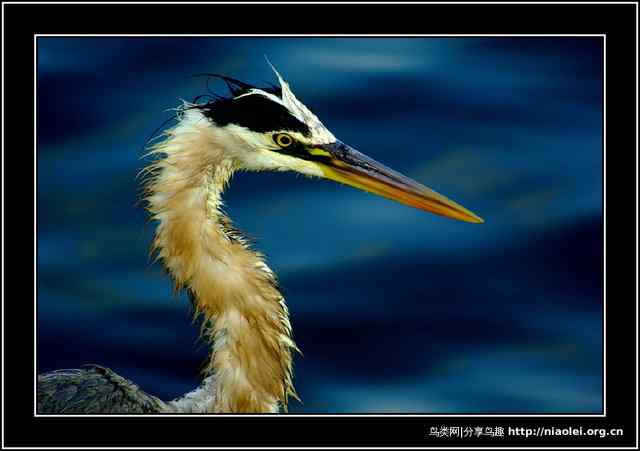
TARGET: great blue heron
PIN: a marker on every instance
(245, 317)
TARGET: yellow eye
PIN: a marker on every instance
(283, 140)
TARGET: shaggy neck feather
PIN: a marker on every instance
(245, 317)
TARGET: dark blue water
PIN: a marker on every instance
(396, 310)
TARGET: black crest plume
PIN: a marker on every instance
(255, 112)
(237, 87)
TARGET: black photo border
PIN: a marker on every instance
(23, 21)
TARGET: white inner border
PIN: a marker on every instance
(277, 35)
(335, 414)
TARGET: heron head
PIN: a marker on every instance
(278, 132)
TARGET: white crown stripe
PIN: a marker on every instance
(319, 133)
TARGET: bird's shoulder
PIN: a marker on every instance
(92, 390)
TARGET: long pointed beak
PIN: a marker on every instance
(344, 164)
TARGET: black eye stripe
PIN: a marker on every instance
(255, 112)
(301, 151)
(295, 149)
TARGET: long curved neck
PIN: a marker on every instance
(245, 316)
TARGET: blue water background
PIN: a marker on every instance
(395, 310)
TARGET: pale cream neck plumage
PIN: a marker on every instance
(245, 317)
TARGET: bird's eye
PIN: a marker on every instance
(283, 140)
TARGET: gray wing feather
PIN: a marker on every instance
(92, 390)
